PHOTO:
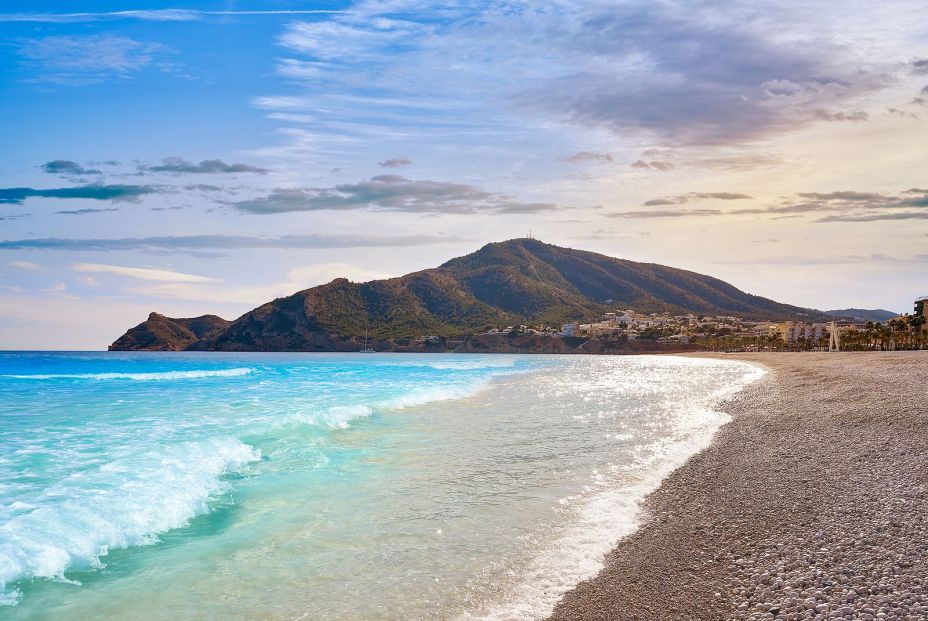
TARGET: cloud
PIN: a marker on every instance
(920, 66)
(158, 15)
(736, 162)
(839, 206)
(846, 195)
(584, 157)
(682, 79)
(655, 70)
(667, 213)
(88, 59)
(685, 198)
(141, 273)
(904, 215)
(84, 212)
(26, 265)
(653, 165)
(195, 243)
(390, 193)
(180, 165)
(825, 115)
(115, 193)
(297, 279)
(396, 162)
(903, 113)
(67, 167)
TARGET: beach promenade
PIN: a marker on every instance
(811, 504)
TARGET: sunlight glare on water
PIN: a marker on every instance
(331, 486)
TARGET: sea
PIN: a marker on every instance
(155, 486)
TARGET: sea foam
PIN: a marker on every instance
(150, 377)
(127, 502)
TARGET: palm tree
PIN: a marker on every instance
(916, 322)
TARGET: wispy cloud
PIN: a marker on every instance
(666, 213)
(396, 162)
(584, 157)
(87, 59)
(115, 193)
(692, 196)
(180, 166)
(141, 273)
(26, 265)
(297, 278)
(158, 15)
(678, 77)
(839, 206)
(653, 165)
(84, 212)
(195, 243)
(875, 217)
(390, 193)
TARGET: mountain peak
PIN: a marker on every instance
(521, 280)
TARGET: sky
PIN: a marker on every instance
(189, 160)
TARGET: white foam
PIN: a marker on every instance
(336, 417)
(127, 502)
(421, 396)
(606, 516)
(160, 376)
(483, 362)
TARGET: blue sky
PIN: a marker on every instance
(190, 161)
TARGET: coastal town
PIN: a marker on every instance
(731, 333)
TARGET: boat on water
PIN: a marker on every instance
(367, 350)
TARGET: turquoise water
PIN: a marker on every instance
(330, 486)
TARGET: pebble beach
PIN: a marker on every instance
(812, 503)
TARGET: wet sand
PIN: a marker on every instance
(811, 504)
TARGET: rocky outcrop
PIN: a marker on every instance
(160, 333)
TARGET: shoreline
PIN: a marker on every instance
(810, 503)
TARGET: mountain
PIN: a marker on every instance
(160, 333)
(505, 283)
(863, 314)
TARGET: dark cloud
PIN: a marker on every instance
(920, 66)
(203, 187)
(589, 156)
(695, 81)
(14, 216)
(825, 115)
(67, 167)
(193, 243)
(390, 193)
(685, 198)
(115, 193)
(396, 162)
(84, 212)
(181, 166)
